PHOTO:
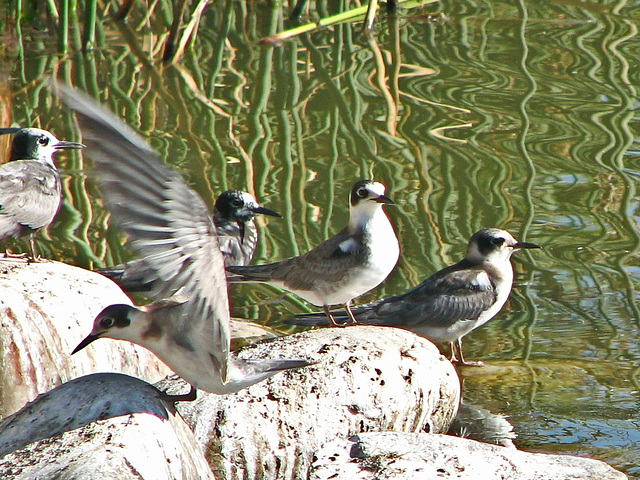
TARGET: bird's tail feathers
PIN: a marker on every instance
(314, 319)
(273, 365)
(129, 281)
(246, 372)
(364, 313)
(114, 273)
(250, 273)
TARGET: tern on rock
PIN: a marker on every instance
(30, 190)
(453, 301)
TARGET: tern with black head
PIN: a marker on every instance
(30, 190)
(233, 216)
(453, 301)
(343, 267)
(168, 224)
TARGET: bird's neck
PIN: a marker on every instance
(364, 220)
(502, 271)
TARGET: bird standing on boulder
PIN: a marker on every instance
(343, 267)
(30, 190)
(453, 301)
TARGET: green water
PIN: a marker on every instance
(520, 115)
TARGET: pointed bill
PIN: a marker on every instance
(166, 222)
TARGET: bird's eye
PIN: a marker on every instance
(237, 203)
(44, 141)
(106, 322)
(362, 192)
(497, 241)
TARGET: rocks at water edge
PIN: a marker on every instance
(46, 309)
(419, 456)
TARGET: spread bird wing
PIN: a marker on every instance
(166, 222)
(29, 193)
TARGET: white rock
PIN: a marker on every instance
(367, 378)
(102, 426)
(46, 309)
(420, 456)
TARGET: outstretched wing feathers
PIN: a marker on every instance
(167, 223)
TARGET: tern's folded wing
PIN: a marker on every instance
(442, 299)
(29, 193)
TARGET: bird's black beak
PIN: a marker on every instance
(265, 211)
(89, 339)
(384, 199)
(64, 145)
(526, 245)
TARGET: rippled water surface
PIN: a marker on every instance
(520, 115)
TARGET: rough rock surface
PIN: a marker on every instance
(46, 309)
(420, 456)
(366, 378)
(102, 426)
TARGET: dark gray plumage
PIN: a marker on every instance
(237, 234)
(30, 190)
(233, 216)
(451, 302)
(343, 267)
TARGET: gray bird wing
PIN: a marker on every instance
(167, 223)
(328, 262)
(30, 194)
(137, 276)
(454, 293)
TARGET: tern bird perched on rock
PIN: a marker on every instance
(451, 302)
(344, 267)
(30, 190)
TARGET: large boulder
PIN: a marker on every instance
(102, 426)
(366, 378)
(419, 456)
(46, 309)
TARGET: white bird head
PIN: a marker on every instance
(367, 198)
(36, 144)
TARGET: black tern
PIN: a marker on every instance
(168, 224)
(30, 190)
(233, 216)
(344, 267)
(453, 301)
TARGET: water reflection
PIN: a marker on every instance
(516, 115)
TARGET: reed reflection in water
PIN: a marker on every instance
(515, 115)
